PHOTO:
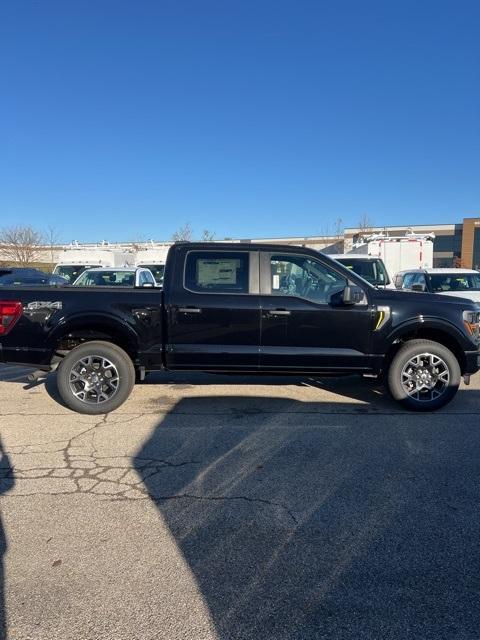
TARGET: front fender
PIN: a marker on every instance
(426, 323)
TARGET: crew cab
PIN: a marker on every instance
(251, 308)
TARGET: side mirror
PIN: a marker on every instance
(352, 295)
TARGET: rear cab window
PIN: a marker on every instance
(217, 272)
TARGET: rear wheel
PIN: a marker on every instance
(95, 377)
(424, 375)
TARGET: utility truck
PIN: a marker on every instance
(75, 258)
(398, 253)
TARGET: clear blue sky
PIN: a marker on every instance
(123, 120)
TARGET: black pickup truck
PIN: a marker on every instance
(241, 308)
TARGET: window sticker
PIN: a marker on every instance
(212, 272)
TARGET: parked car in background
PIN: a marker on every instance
(76, 258)
(370, 268)
(16, 276)
(461, 283)
(121, 277)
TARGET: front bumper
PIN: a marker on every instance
(472, 361)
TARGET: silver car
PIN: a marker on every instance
(116, 277)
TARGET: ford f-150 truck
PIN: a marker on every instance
(249, 308)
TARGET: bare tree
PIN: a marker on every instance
(21, 244)
(137, 242)
(365, 224)
(52, 238)
(333, 232)
(184, 233)
(208, 236)
(338, 235)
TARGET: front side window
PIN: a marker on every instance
(304, 277)
(217, 272)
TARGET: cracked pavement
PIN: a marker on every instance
(213, 507)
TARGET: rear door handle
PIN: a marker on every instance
(278, 312)
(189, 310)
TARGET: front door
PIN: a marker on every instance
(214, 323)
(305, 327)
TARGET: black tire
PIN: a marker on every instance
(400, 375)
(116, 388)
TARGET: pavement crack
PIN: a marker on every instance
(190, 496)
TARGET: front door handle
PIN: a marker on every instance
(189, 310)
(278, 312)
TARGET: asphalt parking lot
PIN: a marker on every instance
(233, 508)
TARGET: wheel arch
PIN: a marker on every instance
(86, 328)
(438, 333)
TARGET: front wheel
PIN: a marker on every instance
(95, 378)
(424, 375)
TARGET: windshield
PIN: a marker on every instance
(72, 271)
(157, 270)
(373, 271)
(454, 281)
(104, 278)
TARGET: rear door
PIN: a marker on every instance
(304, 325)
(213, 312)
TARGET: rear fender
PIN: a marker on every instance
(109, 326)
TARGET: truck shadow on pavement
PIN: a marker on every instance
(301, 524)
(365, 390)
(6, 483)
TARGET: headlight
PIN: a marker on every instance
(471, 320)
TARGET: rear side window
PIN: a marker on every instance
(217, 272)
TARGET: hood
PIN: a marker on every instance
(469, 295)
(383, 296)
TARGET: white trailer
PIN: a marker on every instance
(153, 256)
(75, 258)
(411, 251)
